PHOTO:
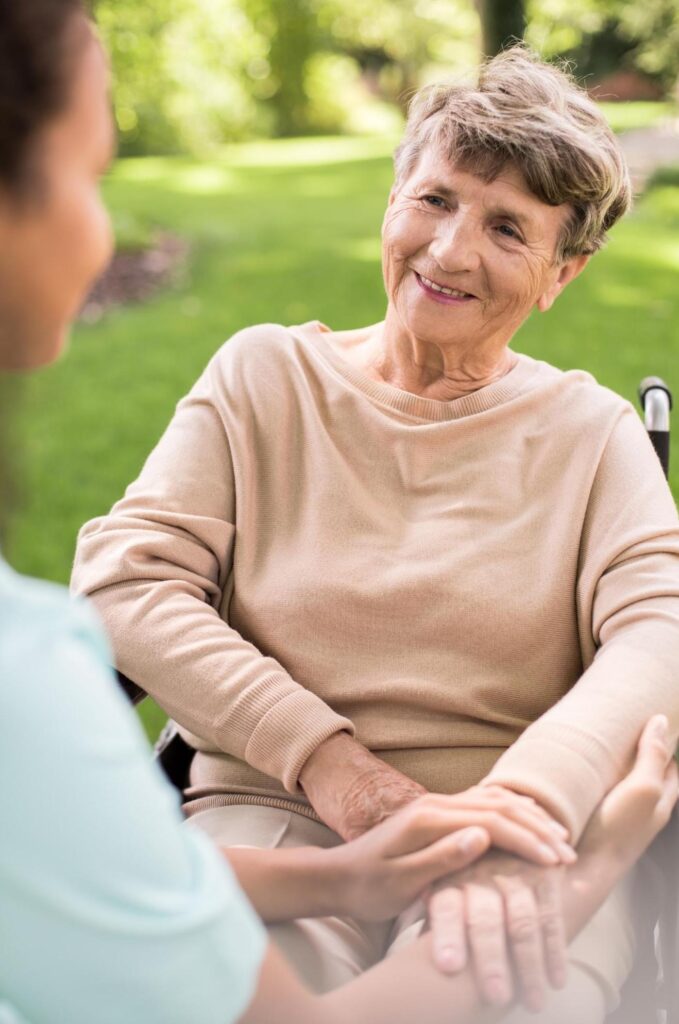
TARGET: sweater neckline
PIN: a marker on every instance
(406, 403)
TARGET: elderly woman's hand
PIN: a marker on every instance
(503, 905)
(501, 912)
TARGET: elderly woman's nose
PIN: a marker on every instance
(456, 245)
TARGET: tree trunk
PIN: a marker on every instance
(292, 45)
(502, 21)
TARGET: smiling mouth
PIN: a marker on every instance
(439, 289)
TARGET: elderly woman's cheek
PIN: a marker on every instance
(395, 256)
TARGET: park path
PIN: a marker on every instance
(648, 149)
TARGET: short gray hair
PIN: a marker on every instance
(533, 116)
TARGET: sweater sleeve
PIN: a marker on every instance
(158, 568)
(628, 618)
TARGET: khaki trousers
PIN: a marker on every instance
(330, 951)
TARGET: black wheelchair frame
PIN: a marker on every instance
(651, 993)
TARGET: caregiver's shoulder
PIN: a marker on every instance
(35, 614)
(52, 651)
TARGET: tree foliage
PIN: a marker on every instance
(191, 74)
(600, 36)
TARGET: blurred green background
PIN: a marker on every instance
(260, 133)
(191, 74)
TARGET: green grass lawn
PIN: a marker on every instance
(285, 231)
(623, 117)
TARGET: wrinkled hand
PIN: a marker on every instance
(351, 789)
(374, 796)
(503, 914)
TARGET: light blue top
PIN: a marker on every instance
(110, 911)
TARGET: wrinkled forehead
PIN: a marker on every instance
(437, 161)
(499, 189)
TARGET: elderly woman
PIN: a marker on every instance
(364, 564)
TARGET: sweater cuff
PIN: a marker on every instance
(560, 772)
(287, 735)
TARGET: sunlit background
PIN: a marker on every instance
(255, 145)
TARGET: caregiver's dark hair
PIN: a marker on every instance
(38, 39)
(37, 42)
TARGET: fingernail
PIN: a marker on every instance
(558, 829)
(568, 854)
(471, 840)
(548, 854)
(661, 727)
(449, 960)
(559, 977)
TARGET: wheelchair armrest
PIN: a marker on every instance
(133, 692)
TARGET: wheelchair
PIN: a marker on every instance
(651, 993)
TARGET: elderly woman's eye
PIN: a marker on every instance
(509, 232)
(434, 201)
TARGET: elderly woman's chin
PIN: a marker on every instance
(439, 322)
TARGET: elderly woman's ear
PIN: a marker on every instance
(564, 274)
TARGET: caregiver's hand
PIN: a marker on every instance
(632, 814)
(391, 865)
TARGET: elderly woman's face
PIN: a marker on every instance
(493, 244)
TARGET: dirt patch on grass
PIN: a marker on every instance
(136, 275)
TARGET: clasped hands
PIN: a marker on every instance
(498, 905)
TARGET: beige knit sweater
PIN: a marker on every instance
(487, 585)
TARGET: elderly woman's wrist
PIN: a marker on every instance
(351, 789)
(328, 756)
(373, 797)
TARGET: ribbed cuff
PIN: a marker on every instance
(288, 734)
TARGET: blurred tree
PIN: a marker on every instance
(192, 74)
(397, 44)
(292, 35)
(653, 28)
(134, 34)
(600, 36)
(502, 21)
(187, 73)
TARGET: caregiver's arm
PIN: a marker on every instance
(374, 877)
(628, 608)
(382, 872)
(395, 991)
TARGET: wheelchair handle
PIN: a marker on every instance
(656, 400)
